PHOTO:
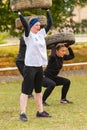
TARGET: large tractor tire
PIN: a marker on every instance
(53, 40)
(30, 4)
(42, 18)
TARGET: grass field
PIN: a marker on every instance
(64, 117)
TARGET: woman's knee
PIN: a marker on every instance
(68, 82)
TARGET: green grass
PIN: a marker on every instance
(3, 37)
(64, 117)
(9, 51)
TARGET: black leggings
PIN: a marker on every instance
(33, 77)
(66, 84)
(50, 84)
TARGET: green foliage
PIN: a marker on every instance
(84, 22)
(7, 17)
(80, 27)
(61, 9)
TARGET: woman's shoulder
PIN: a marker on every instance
(52, 57)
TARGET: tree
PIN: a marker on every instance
(7, 17)
(61, 9)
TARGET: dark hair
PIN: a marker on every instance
(60, 45)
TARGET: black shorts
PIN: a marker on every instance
(33, 77)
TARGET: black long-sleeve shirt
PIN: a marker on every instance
(22, 49)
(27, 28)
(55, 64)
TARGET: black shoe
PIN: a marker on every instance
(23, 117)
(31, 96)
(45, 104)
(65, 101)
(43, 114)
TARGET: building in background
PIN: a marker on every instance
(79, 13)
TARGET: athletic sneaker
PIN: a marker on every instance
(23, 117)
(42, 114)
(45, 104)
(65, 101)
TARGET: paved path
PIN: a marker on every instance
(10, 78)
(81, 38)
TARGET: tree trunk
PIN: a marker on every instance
(29, 4)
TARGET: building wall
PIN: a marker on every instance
(80, 13)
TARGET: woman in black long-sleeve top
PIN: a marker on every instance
(51, 78)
